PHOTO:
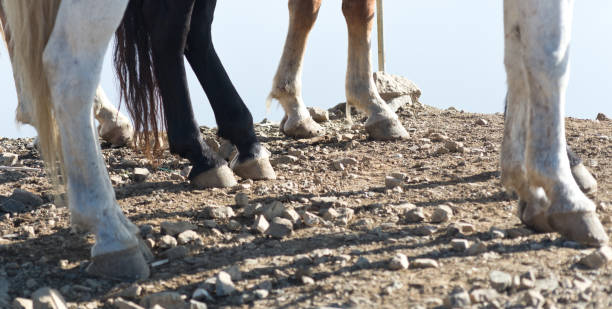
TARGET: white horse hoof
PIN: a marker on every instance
(584, 179)
(125, 265)
(304, 128)
(534, 219)
(386, 129)
(256, 169)
(581, 227)
(118, 136)
(220, 177)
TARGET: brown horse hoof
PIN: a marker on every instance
(305, 128)
(582, 227)
(386, 129)
(124, 265)
(584, 179)
(256, 169)
(220, 177)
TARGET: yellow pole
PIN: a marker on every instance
(380, 32)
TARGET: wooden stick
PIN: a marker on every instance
(380, 34)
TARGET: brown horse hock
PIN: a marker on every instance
(287, 84)
(361, 92)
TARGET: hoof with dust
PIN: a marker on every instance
(220, 177)
(258, 168)
(581, 227)
(584, 179)
(118, 136)
(386, 129)
(536, 221)
(125, 265)
(304, 128)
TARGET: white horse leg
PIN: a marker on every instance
(72, 62)
(114, 127)
(545, 31)
(361, 92)
(533, 203)
(287, 84)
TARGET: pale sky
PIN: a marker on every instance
(453, 50)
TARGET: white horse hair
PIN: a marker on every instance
(60, 44)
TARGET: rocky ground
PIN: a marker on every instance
(349, 223)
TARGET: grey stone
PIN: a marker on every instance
(27, 197)
(280, 228)
(457, 298)
(194, 304)
(392, 182)
(187, 236)
(220, 212)
(131, 292)
(291, 215)
(310, 219)
(167, 241)
(392, 86)
(362, 262)
(273, 210)
(534, 298)
(174, 228)
(330, 214)
(48, 298)
(602, 117)
(318, 114)
(598, 258)
(307, 280)
(242, 199)
(252, 210)
(476, 248)
(121, 303)
(500, 280)
(460, 245)
(224, 284)
(483, 295)
(11, 206)
(261, 293)
(22, 303)
(212, 143)
(234, 272)
(167, 300)
(8, 159)
(140, 174)
(454, 146)
(286, 159)
(399, 262)
(175, 253)
(481, 122)
(415, 215)
(425, 230)
(261, 224)
(202, 294)
(441, 214)
(425, 263)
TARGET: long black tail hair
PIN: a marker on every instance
(135, 68)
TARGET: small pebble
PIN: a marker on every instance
(399, 262)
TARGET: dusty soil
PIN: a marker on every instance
(341, 262)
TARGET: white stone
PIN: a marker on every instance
(399, 262)
(224, 284)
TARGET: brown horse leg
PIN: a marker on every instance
(287, 84)
(361, 92)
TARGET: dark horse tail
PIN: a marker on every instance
(134, 64)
